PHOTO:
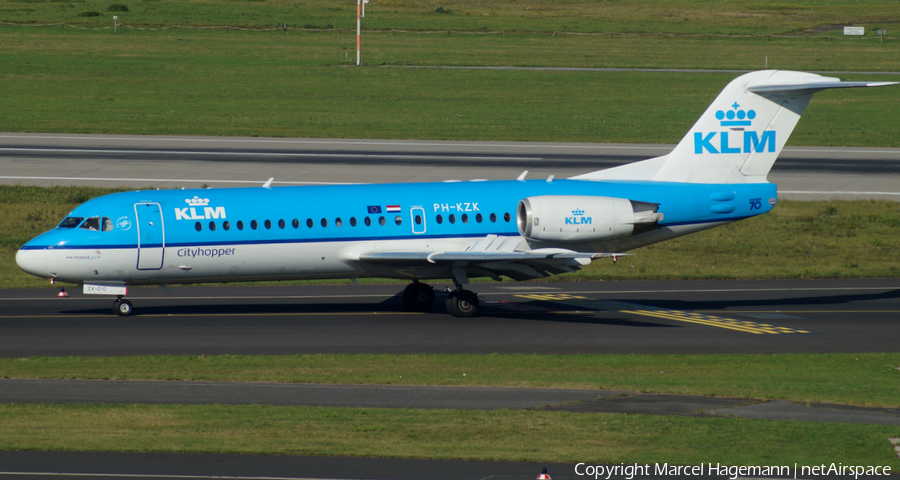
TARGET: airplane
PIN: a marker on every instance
(521, 229)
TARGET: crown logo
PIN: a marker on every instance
(197, 201)
(578, 211)
(735, 117)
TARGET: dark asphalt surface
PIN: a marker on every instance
(792, 160)
(598, 317)
(153, 466)
(803, 316)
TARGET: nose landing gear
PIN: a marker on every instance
(122, 307)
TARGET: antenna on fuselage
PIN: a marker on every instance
(522, 176)
(268, 183)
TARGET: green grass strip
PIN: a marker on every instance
(274, 85)
(869, 379)
(442, 434)
(647, 16)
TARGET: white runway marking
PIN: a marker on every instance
(411, 143)
(255, 154)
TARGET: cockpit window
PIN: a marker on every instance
(107, 224)
(92, 223)
(70, 222)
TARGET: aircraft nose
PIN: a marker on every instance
(33, 262)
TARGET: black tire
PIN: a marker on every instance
(418, 297)
(462, 303)
(450, 303)
(123, 308)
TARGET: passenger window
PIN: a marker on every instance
(418, 219)
(352, 221)
(465, 218)
(338, 222)
(268, 224)
(281, 223)
(253, 224)
(296, 223)
(398, 220)
(506, 216)
(478, 218)
(107, 224)
(309, 222)
(92, 223)
(452, 218)
(439, 219)
(198, 226)
(493, 217)
(240, 225)
(368, 221)
(226, 225)
(381, 221)
(212, 226)
(70, 222)
(324, 222)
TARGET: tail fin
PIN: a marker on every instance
(740, 135)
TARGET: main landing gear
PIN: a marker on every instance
(122, 307)
(462, 303)
(419, 297)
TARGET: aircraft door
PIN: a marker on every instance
(151, 236)
(417, 215)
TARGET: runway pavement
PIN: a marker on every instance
(812, 316)
(598, 317)
(804, 173)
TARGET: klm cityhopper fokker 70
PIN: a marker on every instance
(521, 229)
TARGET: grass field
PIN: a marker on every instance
(851, 379)
(508, 435)
(298, 85)
(534, 436)
(646, 16)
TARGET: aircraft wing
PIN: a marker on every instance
(489, 258)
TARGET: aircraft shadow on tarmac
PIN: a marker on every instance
(534, 310)
(797, 301)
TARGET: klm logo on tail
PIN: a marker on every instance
(741, 142)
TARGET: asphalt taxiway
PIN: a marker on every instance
(770, 316)
(802, 173)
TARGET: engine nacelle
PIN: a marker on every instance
(577, 218)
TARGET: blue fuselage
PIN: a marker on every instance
(178, 236)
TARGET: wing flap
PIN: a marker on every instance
(525, 265)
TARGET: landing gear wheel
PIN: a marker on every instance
(418, 297)
(122, 308)
(462, 303)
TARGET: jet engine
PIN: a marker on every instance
(577, 218)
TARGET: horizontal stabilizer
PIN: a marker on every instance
(814, 87)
